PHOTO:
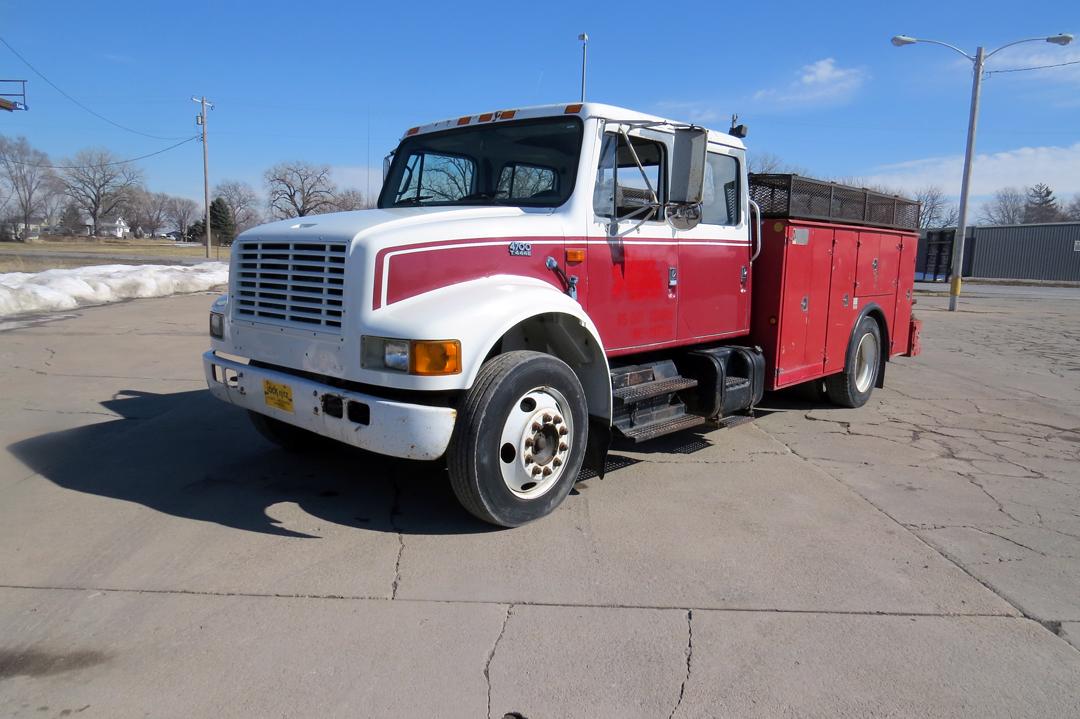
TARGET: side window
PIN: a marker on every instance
(619, 170)
(517, 181)
(431, 177)
(720, 205)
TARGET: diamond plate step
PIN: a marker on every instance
(638, 392)
(643, 432)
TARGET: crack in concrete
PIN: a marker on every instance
(395, 511)
(491, 655)
(689, 658)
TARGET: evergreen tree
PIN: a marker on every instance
(72, 219)
(1041, 205)
(221, 222)
(196, 231)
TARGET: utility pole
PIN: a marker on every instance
(204, 103)
(965, 182)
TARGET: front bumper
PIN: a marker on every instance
(398, 429)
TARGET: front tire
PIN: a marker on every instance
(520, 439)
(853, 386)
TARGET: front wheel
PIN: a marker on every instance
(520, 439)
(852, 387)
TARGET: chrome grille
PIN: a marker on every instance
(291, 283)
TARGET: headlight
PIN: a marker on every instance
(421, 357)
(217, 325)
(396, 355)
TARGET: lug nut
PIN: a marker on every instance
(556, 462)
(547, 471)
(528, 458)
(563, 430)
(558, 419)
(562, 446)
(536, 426)
(547, 418)
(528, 441)
(536, 471)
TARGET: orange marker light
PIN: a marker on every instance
(507, 114)
(413, 131)
(486, 117)
(575, 255)
(464, 120)
(573, 109)
(435, 357)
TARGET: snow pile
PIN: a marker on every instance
(52, 290)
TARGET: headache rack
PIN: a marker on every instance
(800, 197)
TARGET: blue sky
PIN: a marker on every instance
(337, 83)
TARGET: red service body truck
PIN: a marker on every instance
(535, 282)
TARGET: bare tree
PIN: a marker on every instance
(181, 211)
(1005, 208)
(351, 199)
(149, 210)
(53, 200)
(242, 202)
(1072, 210)
(934, 208)
(764, 163)
(296, 189)
(24, 169)
(99, 184)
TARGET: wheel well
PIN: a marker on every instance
(878, 316)
(564, 336)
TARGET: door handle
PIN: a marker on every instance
(672, 277)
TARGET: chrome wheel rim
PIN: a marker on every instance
(866, 362)
(536, 442)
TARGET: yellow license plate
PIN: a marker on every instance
(278, 395)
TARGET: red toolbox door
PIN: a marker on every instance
(842, 310)
(905, 284)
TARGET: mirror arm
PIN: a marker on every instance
(757, 235)
(641, 169)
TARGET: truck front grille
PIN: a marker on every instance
(291, 283)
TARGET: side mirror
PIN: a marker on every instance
(687, 178)
(688, 166)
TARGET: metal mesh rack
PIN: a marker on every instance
(801, 197)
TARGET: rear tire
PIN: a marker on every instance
(853, 386)
(287, 436)
(520, 439)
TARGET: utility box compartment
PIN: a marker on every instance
(813, 280)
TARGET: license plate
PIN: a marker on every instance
(278, 395)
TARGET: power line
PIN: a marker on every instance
(104, 164)
(1036, 67)
(72, 99)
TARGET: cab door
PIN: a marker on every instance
(714, 256)
(632, 265)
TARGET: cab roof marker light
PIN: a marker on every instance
(464, 120)
(412, 131)
(506, 114)
(486, 117)
(573, 109)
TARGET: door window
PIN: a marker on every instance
(622, 188)
(720, 202)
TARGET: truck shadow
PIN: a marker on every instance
(188, 455)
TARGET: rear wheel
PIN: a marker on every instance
(520, 439)
(852, 387)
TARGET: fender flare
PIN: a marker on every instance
(873, 308)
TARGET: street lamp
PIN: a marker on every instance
(584, 38)
(977, 60)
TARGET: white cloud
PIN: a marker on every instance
(1058, 167)
(819, 83)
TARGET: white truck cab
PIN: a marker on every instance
(477, 313)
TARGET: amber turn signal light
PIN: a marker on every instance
(435, 357)
(575, 255)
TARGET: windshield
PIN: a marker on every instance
(528, 163)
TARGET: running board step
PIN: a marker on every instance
(655, 388)
(644, 432)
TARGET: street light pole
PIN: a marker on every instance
(977, 61)
(584, 37)
(965, 183)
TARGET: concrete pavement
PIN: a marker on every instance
(917, 557)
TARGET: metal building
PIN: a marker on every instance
(1023, 252)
